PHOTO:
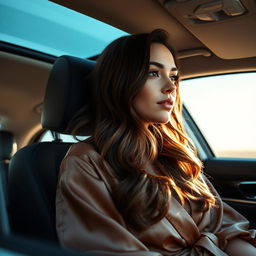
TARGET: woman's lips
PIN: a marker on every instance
(166, 104)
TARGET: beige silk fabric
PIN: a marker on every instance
(87, 218)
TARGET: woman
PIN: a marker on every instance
(136, 186)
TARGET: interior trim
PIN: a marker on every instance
(193, 52)
(26, 52)
(4, 219)
(204, 149)
(238, 200)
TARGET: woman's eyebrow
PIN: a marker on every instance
(160, 65)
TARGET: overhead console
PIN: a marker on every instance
(224, 26)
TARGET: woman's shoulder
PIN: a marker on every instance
(82, 149)
(82, 157)
(79, 160)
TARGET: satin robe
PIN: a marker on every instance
(88, 220)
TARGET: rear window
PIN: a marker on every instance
(48, 136)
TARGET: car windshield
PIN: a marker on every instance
(50, 28)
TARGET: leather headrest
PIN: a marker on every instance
(67, 91)
(6, 145)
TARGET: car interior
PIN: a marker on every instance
(63, 98)
(41, 92)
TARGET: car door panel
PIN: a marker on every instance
(235, 181)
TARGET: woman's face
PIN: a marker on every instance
(154, 103)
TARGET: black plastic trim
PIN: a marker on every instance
(26, 52)
(4, 219)
(198, 134)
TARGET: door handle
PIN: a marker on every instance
(248, 189)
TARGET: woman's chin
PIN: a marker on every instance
(162, 120)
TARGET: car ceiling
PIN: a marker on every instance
(197, 57)
(145, 15)
(23, 80)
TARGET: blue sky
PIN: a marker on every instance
(50, 28)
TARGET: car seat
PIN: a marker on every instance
(6, 149)
(33, 170)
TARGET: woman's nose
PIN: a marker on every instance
(169, 86)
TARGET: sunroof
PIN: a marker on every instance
(50, 28)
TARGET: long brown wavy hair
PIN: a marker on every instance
(127, 145)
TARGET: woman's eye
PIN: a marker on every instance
(174, 78)
(153, 73)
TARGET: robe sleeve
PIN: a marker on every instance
(232, 225)
(86, 217)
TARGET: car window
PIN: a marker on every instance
(223, 107)
(50, 28)
(47, 136)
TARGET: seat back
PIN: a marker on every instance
(32, 187)
(6, 148)
(34, 169)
